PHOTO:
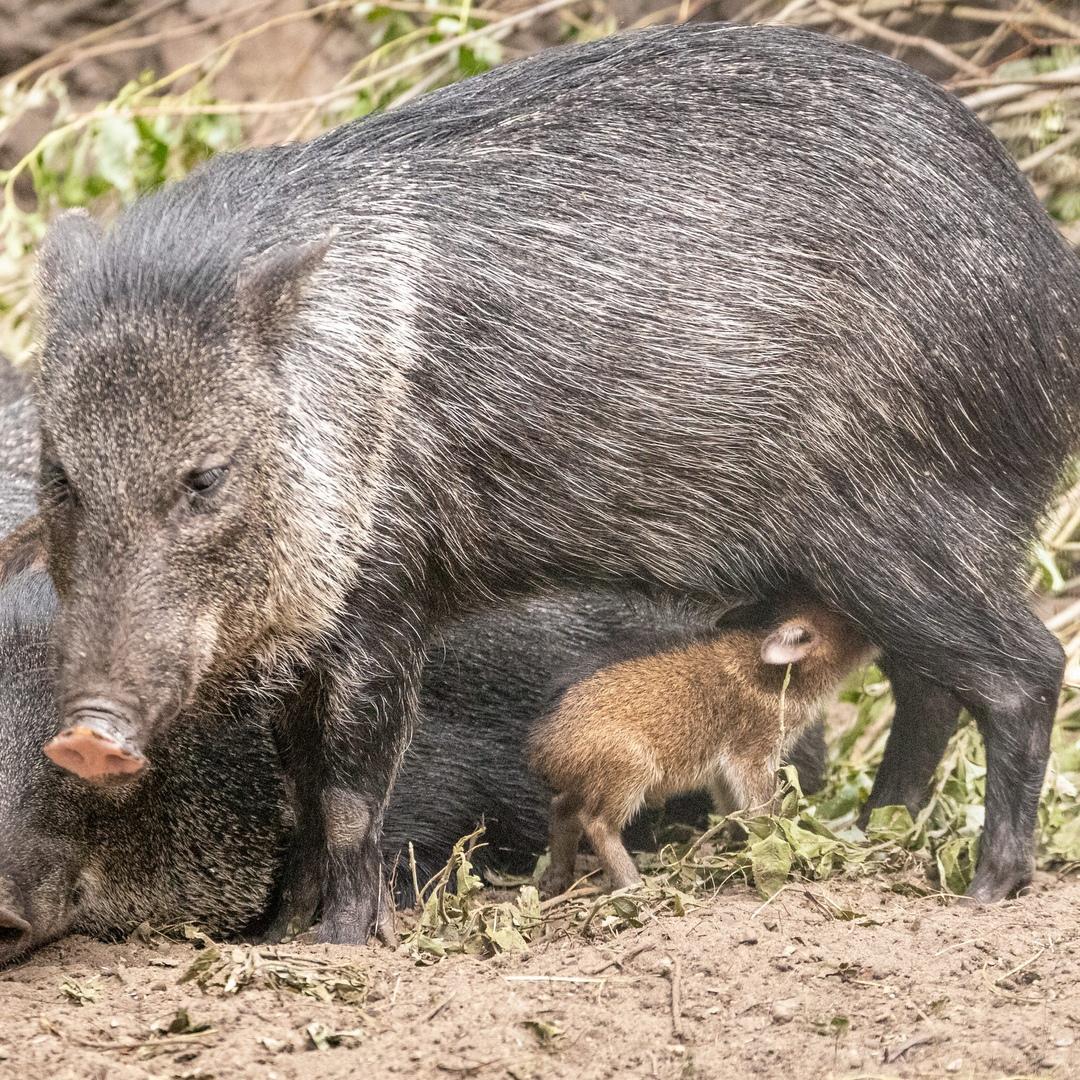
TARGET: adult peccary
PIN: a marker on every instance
(708, 310)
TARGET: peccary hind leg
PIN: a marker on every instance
(1015, 716)
(565, 837)
(922, 725)
(615, 859)
(974, 636)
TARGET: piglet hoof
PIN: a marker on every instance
(554, 883)
(93, 754)
(385, 930)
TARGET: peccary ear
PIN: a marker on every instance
(788, 643)
(270, 285)
(72, 240)
(23, 549)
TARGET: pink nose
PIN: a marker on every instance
(92, 755)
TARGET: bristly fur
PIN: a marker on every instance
(708, 310)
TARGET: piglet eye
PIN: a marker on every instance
(205, 481)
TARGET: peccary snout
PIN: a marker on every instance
(99, 743)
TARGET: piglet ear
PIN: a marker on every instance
(270, 285)
(73, 240)
(788, 643)
(23, 549)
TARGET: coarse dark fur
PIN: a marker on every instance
(702, 310)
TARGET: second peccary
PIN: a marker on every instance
(663, 716)
(706, 310)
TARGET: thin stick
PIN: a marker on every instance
(138, 1044)
(783, 702)
(1020, 967)
(47, 59)
(436, 52)
(147, 40)
(935, 48)
(621, 961)
(412, 871)
(675, 976)
(761, 907)
(1069, 76)
(1040, 157)
(432, 1013)
(557, 978)
(573, 893)
(1065, 617)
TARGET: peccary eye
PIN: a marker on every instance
(203, 482)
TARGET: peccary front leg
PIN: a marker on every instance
(366, 731)
(298, 892)
(342, 744)
(924, 721)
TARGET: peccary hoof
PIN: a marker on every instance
(93, 754)
(1000, 879)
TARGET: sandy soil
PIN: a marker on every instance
(912, 988)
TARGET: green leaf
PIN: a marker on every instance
(81, 993)
(203, 963)
(324, 1038)
(770, 862)
(180, 1023)
(956, 863)
(116, 146)
(546, 1034)
(891, 823)
(506, 939)
(1064, 844)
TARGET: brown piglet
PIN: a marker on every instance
(696, 711)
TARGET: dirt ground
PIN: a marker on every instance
(911, 988)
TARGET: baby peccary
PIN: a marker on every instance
(703, 712)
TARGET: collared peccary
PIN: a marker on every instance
(668, 714)
(709, 310)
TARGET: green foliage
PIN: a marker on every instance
(458, 916)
